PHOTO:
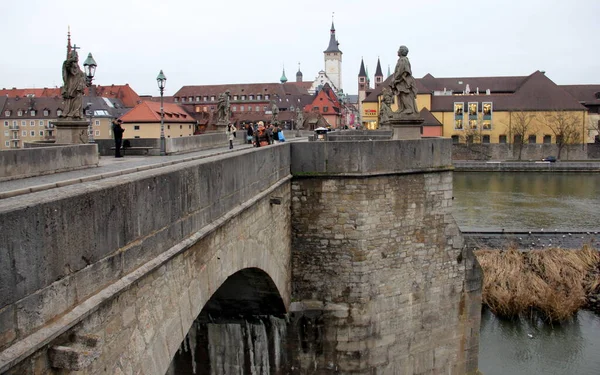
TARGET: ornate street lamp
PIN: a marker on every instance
(89, 65)
(162, 80)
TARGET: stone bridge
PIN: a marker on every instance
(352, 242)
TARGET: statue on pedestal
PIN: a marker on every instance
(403, 85)
(385, 108)
(299, 118)
(274, 112)
(73, 88)
(223, 108)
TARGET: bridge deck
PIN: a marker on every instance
(108, 167)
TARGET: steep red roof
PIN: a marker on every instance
(150, 112)
(123, 92)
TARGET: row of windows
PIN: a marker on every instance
(137, 127)
(190, 99)
(32, 112)
(24, 133)
(532, 139)
(31, 123)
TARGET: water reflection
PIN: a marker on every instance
(522, 201)
(522, 347)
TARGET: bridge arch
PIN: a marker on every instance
(145, 326)
(244, 318)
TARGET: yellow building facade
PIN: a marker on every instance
(531, 109)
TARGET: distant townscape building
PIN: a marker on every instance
(28, 114)
(493, 109)
(143, 121)
(588, 96)
(252, 102)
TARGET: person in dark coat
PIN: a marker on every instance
(118, 135)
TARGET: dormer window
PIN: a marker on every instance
(19, 113)
(266, 96)
(32, 112)
(59, 112)
(197, 98)
(258, 97)
(235, 97)
(206, 98)
(243, 97)
(191, 99)
(175, 99)
(7, 113)
(250, 97)
(212, 98)
(46, 113)
(183, 99)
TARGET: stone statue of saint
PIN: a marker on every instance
(274, 112)
(73, 88)
(223, 108)
(403, 84)
(299, 118)
(385, 108)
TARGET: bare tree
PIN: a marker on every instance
(521, 126)
(594, 128)
(566, 127)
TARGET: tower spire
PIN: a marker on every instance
(299, 74)
(362, 72)
(283, 78)
(68, 41)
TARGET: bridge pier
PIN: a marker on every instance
(381, 279)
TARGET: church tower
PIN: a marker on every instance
(333, 60)
(378, 74)
(299, 74)
(363, 86)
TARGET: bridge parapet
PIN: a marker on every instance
(371, 157)
(64, 245)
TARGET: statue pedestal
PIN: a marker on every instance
(71, 131)
(403, 126)
(221, 126)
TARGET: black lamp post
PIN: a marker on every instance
(162, 80)
(89, 65)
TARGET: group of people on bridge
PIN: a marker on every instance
(257, 134)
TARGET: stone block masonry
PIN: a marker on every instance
(380, 273)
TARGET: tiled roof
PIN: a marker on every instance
(150, 112)
(585, 94)
(36, 92)
(28, 104)
(374, 94)
(430, 119)
(459, 84)
(122, 92)
(270, 89)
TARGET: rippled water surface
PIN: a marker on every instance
(527, 201)
(515, 348)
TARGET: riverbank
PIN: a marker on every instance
(553, 284)
(526, 166)
(528, 240)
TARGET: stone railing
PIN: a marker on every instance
(38, 160)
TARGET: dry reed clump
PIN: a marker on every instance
(553, 282)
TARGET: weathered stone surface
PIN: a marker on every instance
(381, 246)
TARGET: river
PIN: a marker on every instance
(533, 201)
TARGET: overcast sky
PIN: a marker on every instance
(200, 42)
